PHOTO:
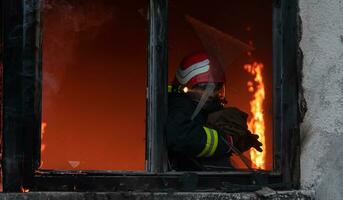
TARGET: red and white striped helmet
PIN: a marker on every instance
(199, 68)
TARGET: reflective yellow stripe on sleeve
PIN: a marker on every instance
(211, 143)
(207, 145)
(214, 145)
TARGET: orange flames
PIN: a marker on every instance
(42, 148)
(24, 190)
(256, 124)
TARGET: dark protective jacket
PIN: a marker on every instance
(192, 145)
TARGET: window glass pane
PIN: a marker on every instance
(236, 38)
(94, 80)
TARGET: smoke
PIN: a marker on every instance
(81, 16)
(65, 23)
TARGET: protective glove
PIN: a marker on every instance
(233, 122)
(245, 143)
(229, 121)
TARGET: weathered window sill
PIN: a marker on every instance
(262, 194)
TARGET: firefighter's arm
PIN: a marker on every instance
(192, 138)
(216, 144)
(233, 122)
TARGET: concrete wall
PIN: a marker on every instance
(322, 129)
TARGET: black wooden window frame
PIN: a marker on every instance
(21, 23)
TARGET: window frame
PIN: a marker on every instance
(22, 113)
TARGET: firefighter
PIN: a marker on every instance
(197, 91)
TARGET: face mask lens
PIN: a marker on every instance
(220, 93)
(220, 90)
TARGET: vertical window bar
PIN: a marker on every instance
(157, 86)
(290, 122)
(21, 119)
(285, 78)
(277, 81)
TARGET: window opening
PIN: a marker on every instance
(21, 135)
(237, 36)
(94, 82)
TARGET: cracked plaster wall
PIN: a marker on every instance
(322, 129)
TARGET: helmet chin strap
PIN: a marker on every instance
(207, 93)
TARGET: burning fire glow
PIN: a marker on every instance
(24, 190)
(256, 124)
(42, 148)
